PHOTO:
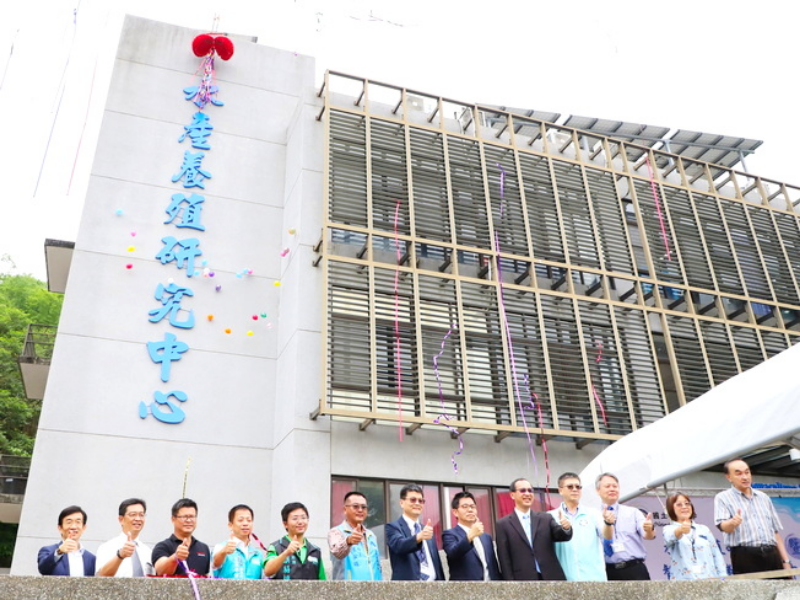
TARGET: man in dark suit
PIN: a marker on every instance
(412, 549)
(525, 539)
(470, 552)
(67, 557)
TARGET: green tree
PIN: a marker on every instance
(23, 300)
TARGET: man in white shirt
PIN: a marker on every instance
(124, 555)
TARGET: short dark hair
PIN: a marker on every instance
(290, 508)
(352, 493)
(183, 503)
(671, 505)
(600, 478)
(411, 487)
(459, 497)
(567, 475)
(125, 504)
(513, 486)
(232, 512)
(71, 510)
(726, 468)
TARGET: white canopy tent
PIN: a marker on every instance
(753, 409)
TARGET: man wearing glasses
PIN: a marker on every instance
(125, 555)
(412, 549)
(294, 556)
(354, 548)
(181, 549)
(581, 557)
(469, 550)
(526, 539)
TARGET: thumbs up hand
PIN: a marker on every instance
(182, 552)
(565, 524)
(230, 547)
(648, 523)
(427, 531)
(128, 548)
(295, 544)
(475, 531)
(736, 520)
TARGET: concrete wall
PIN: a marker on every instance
(247, 394)
(47, 588)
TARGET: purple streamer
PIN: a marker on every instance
(507, 329)
(191, 575)
(443, 417)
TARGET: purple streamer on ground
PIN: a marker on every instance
(191, 575)
(439, 420)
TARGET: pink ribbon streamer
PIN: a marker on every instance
(444, 417)
(533, 406)
(538, 406)
(507, 329)
(658, 208)
(191, 576)
(594, 390)
(398, 353)
(207, 81)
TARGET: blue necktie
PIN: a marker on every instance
(423, 559)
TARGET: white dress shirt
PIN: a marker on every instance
(108, 550)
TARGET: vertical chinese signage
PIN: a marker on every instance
(184, 212)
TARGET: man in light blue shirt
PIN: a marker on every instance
(354, 548)
(625, 553)
(242, 555)
(582, 556)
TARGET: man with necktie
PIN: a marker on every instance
(469, 550)
(624, 553)
(526, 539)
(124, 555)
(412, 550)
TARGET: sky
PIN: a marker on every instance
(725, 67)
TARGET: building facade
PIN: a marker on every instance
(379, 286)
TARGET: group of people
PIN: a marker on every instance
(572, 542)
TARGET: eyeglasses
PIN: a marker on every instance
(524, 490)
(138, 515)
(298, 518)
(573, 486)
(683, 504)
(415, 500)
(357, 506)
(187, 518)
(468, 507)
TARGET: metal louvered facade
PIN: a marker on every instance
(506, 274)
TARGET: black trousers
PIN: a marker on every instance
(747, 559)
(634, 570)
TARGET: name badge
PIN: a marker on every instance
(313, 559)
(617, 547)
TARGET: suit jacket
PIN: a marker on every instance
(517, 558)
(463, 559)
(48, 565)
(403, 547)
